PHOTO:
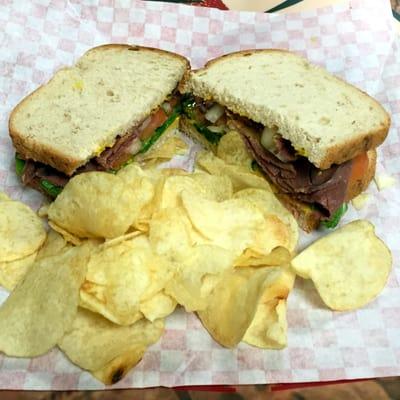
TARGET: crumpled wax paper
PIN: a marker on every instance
(355, 40)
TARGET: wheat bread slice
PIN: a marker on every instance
(326, 119)
(83, 109)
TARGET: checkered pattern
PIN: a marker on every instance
(355, 41)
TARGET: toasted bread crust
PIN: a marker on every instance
(337, 154)
(134, 47)
(352, 148)
(307, 219)
(30, 149)
(241, 53)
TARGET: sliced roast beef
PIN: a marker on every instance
(34, 172)
(284, 151)
(325, 189)
(120, 152)
(29, 172)
(51, 175)
(307, 217)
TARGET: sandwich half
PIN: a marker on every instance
(312, 134)
(115, 102)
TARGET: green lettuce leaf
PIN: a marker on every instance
(335, 218)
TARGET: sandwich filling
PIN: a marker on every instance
(324, 192)
(137, 139)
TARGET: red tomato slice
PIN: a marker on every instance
(157, 119)
(359, 167)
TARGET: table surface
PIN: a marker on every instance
(379, 389)
(371, 389)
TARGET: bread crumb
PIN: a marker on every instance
(384, 181)
(360, 201)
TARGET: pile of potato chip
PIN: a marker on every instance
(125, 249)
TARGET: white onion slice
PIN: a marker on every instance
(267, 139)
(135, 146)
(216, 129)
(214, 113)
(166, 107)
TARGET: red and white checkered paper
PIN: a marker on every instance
(354, 40)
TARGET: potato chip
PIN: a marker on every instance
(213, 219)
(99, 204)
(12, 272)
(4, 197)
(117, 276)
(210, 163)
(143, 222)
(188, 286)
(159, 306)
(210, 187)
(268, 329)
(240, 177)
(120, 239)
(161, 271)
(89, 299)
(43, 210)
(190, 255)
(233, 224)
(360, 201)
(67, 236)
(250, 258)
(165, 149)
(54, 244)
(166, 172)
(133, 173)
(271, 234)
(233, 302)
(218, 188)
(269, 204)
(281, 286)
(21, 231)
(169, 232)
(349, 267)
(42, 307)
(172, 189)
(232, 149)
(107, 350)
(383, 181)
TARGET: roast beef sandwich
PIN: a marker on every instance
(113, 103)
(311, 134)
